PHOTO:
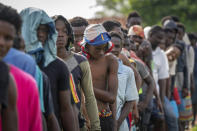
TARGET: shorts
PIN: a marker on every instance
(106, 120)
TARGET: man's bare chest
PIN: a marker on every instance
(99, 70)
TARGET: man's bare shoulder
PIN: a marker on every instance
(112, 60)
(110, 57)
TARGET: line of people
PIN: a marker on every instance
(71, 75)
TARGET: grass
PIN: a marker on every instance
(194, 128)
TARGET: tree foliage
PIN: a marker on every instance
(152, 11)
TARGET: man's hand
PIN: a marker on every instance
(160, 106)
(135, 114)
(142, 106)
(88, 125)
(185, 92)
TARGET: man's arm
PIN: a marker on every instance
(110, 95)
(125, 111)
(149, 94)
(90, 100)
(168, 87)
(52, 123)
(162, 89)
(155, 92)
(66, 110)
(113, 76)
(9, 114)
(163, 75)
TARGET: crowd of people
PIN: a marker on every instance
(69, 75)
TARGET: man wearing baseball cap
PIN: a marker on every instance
(96, 46)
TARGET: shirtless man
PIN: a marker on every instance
(96, 43)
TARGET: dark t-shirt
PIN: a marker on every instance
(48, 101)
(4, 81)
(58, 75)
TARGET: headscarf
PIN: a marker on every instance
(136, 30)
(32, 18)
(95, 34)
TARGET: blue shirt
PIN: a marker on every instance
(26, 63)
(21, 60)
(127, 91)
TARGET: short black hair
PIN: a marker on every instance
(175, 18)
(11, 16)
(110, 24)
(115, 34)
(68, 28)
(125, 32)
(180, 25)
(155, 29)
(133, 14)
(78, 21)
(192, 36)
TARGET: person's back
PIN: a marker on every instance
(21, 60)
(28, 105)
(55, 72)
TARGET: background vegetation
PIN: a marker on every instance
(152, 11)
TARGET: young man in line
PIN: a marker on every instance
(79, 25)
(28, 106)
(104, 67)
(79, 67)
(127, 91)
(40, 38)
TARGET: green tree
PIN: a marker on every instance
(152, 11)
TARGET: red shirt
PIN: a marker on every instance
(28, 105)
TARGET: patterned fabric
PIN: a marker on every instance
(73, 90)
(185, 108)
(95, 34)
(105, 113)
(73, 62)
(87, 55)
(136, 30)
